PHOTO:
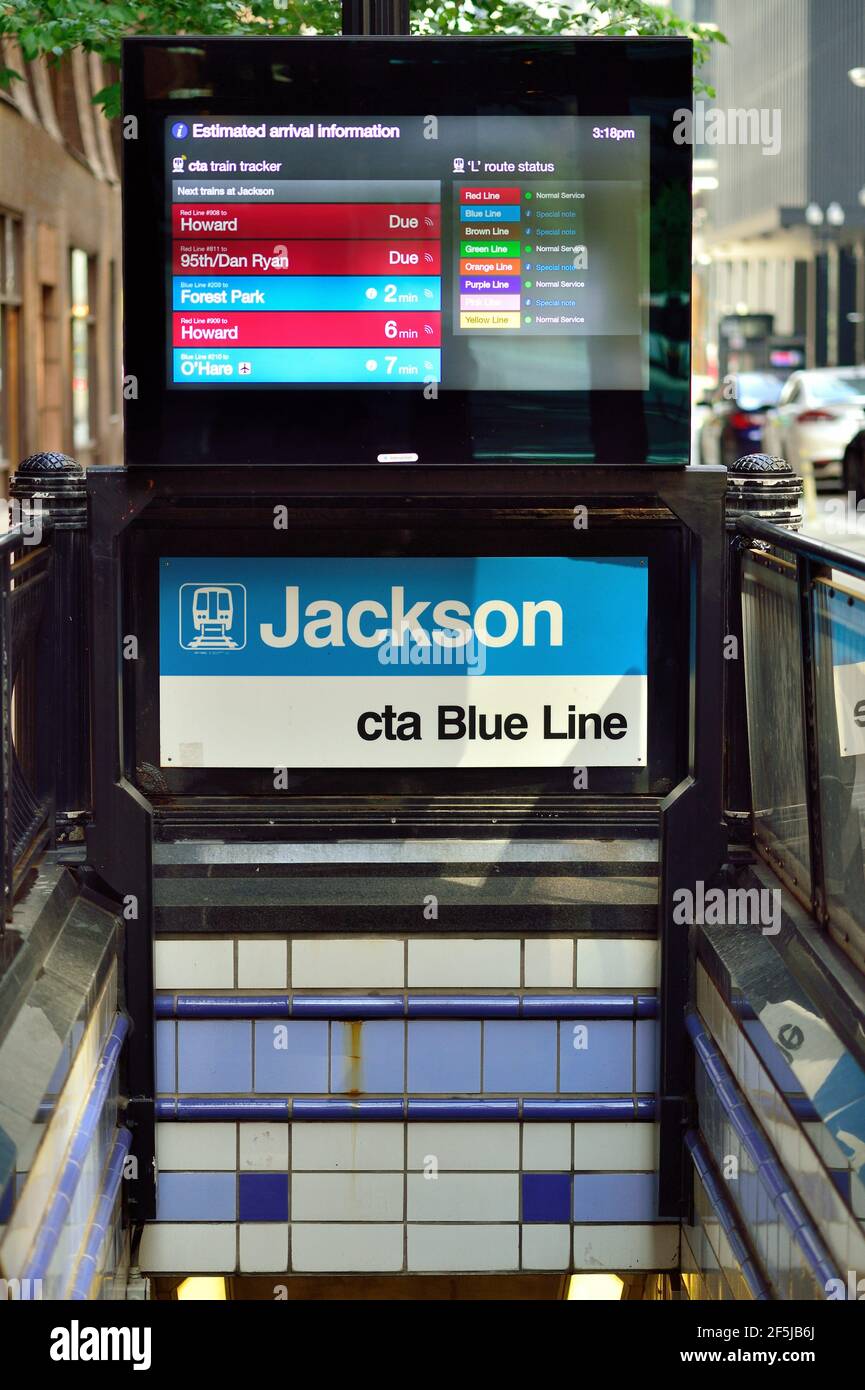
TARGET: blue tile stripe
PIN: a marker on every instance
(726, 1214)
(100, 1226)
(265, 1108)
(52, 1224)
(355, 1006)
(769, 1171)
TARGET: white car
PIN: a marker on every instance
(817, 415)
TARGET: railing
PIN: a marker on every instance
(803, 629)
(26, 640)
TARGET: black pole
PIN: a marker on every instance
(53, 485)
(767, 487)
(375, 16)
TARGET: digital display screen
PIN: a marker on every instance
(503, 254)
(437, 251)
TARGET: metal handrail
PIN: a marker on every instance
(26, 618)
(810, 559)
(809, 547)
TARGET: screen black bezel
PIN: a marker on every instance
(594, 77)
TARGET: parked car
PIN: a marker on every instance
(817, 414)
(853, 467)
(737, 407)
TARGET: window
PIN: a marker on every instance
(10, 341)
(82, 278)
(49, 389)
(63, 94)
(114, 368)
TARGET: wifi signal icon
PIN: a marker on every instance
(428, 329)
(428, 257)
(427, 294)
(428, 222)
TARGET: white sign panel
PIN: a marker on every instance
(403, 663)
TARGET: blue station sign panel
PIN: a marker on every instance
(534, 661)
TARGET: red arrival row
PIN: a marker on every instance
(345, 220)
(306, 257)
(300, 329)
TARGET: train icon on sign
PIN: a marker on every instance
(212, 617)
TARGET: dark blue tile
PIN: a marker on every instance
(463, 1109)
(546, 1197)
(841, 1177)
(348, 1109)
(264, 1196)
(463, 1006)
(347, 1006)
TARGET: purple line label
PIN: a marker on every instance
(490, 284)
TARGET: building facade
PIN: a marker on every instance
(60, 272)
(780, 174)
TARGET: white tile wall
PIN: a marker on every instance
(262, 964)
(615, 1147)
(461, 1146)
(263, 1247)
(335, 1248)
(198, 1247)
(626, 1247)
(549, 963)
(463, 963)
(352, 1146)
(196, 963)
(432, 1249)
(621, 964)
(347, 1197)
(464, 1197)
(263, 1147)
(546, 1247)
(206, 1147)
(546, 1148)
(345, 963)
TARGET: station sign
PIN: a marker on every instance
(419, 662)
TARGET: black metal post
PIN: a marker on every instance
(766, 487)
(51, 488)
(375, 16)
(690, 835)
(120, 835)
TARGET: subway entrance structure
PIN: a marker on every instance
(407, 699)
(431, 587)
